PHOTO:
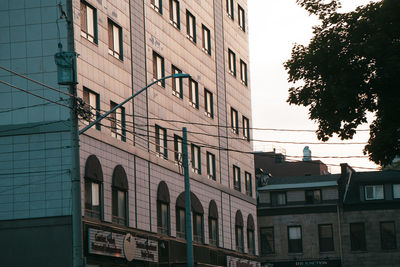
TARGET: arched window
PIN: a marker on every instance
(250, 235)
(163, 221)
(213, 223)
(119, 196)
(93, 188)
(239, 231)
(197, 222)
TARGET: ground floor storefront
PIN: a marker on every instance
(308, 263)
(108, 246)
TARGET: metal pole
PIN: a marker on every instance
(76, 185)
(188, 218)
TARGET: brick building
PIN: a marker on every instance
(275, 164)
(130, 163)
(348, 219)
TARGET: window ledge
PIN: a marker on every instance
(177, 94)
(175, 24)
(84, 36)
(191, 38)
(208, 52)
(193, 105)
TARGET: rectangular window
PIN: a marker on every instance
(278, 198)
(177, 83)
(119, 206)
(190, 26)
(92, 199)
(357, 237)
(232, 62)
(325, 234)
(197, 227)
(92, 106)
(208, 103)
(250, 242)
(88, 22)
(174, 16)
(194, 93)
(239, 238)
(295, 242)
(117, 119)
(156, 5)
(241, 21)
(243, 72)
(248, 184)
(206, 40)
(388, 235)
(161, 142)
(313, 196)
(246, 128)
(267, 240)
(396, 191)
(211, 166)
(236, 178)
(180, 223)
(178, 147)
(196, 163)
(229, 8)
(158, 68)
(373, 192)
(213, 231)
(234, 121)
(114, 40)
(163, 217)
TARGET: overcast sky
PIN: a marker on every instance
(274, 26)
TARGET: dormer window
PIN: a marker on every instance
(373, 192)
(313, 196)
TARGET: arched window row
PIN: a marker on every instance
(94, 191)
(94, 203)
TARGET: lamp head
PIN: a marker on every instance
(181, 75)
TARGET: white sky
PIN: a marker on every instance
(274, 26)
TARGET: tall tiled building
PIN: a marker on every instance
(130, 163)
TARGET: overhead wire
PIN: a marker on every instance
(37, 82)
(241, 138)
(223, 126)
(171, 139)
(33, 94)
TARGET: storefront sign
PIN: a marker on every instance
(145, 249)
(122, 245)
(237, 262)
(312, 263)
(105, 243)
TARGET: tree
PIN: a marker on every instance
(351, 67)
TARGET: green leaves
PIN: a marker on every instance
(351, 67)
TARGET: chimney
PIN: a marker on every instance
(306, 154)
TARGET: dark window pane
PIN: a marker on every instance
(295, 239)
(267, 240)
(325, 238)
(357, 236)
(388, 235)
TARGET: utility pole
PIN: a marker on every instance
(188, 218)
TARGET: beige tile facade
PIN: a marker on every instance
(144, 31)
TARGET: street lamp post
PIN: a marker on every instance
(177, 75)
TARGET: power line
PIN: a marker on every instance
(239, 138)
(222, 126)
(29, 127)
(32, 106)
(204, 145)
(28, 92)
(37, 82)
